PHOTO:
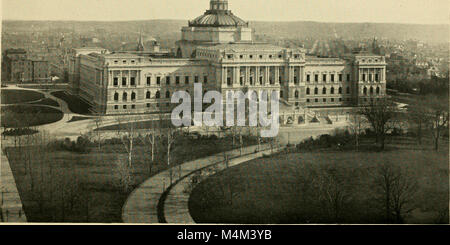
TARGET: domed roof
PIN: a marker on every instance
(218, 19)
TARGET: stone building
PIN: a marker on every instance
(19, 67)
(217, 50)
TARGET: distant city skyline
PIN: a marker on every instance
(377, 11)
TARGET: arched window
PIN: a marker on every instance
(348, 90)
(332, 90)
(308, 91)
(340, 90)
(365, 90)
(324, 91)
(125, 97)
(371, 90)
(167, 94)
(378, 90)
(296, 94)
(133, 96)
(316, 91)
(148, 95)
(116, 96)
(158, 95)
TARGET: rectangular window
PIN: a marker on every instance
(177, 80)
(340, 77)
(370, 77)
(124, 106)
(168, 80)
(205, 79)
(148, 105)
(116, 107)
(133, 81)
(308, 78)
(196, 79)
(332, 77)
(324, 100)
(149, 81)
(186, 79)
(158, 80)
(295, 80)
(229, 81)
(124, 81)
(348, 77)
(116, 81)
(364, 77)
(133, 107)
(251, 80)
(377, 78)
(316, 78)
(324, 77)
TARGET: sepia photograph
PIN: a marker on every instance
(230, 112)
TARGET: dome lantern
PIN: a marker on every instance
(218, 16)
(218, 5)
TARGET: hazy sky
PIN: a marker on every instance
(399, 11)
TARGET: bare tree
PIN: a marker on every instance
(395, 190)
(333, 193)
(172, 135)
(379, 114)
(127, 133)
(97, 134)
(124, 172)
(438, 117)
(357, 125)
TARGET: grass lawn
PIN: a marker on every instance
(270, 190)
(46, 101)
(75, 104)
(19, 96)
(73, 187)
(28, 115)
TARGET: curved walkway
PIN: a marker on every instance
(176, 203)
(143, 203)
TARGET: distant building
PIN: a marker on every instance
(18, 66)
(218, 51)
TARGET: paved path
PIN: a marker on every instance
(176, 208)
(10, 203)
(142, 204)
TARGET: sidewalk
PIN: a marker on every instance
(10, 202)
(176, 204)
(142, 204)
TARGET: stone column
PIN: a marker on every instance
(277, 75)
(224, 75)
(291, 75)
(236, 71)
(256, 75)
(247, 75)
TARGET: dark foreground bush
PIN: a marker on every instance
(19, 132)
(81, 145)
